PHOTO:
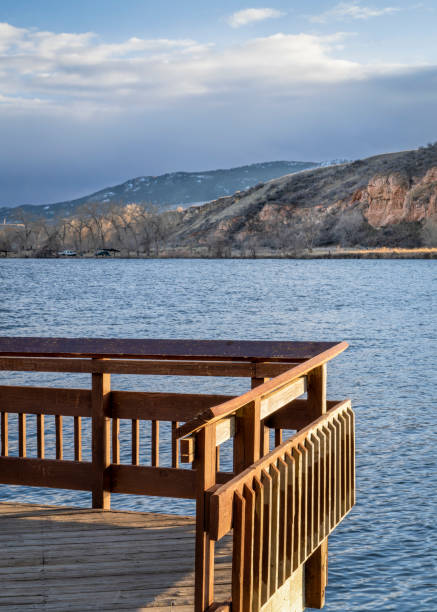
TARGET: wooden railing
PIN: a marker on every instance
(285, 505)
(312, 470)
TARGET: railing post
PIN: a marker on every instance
(205, 465)
(247, 436)
(264, 439)
(316, 567)
(101, 387)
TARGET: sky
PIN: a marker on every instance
(93, 93)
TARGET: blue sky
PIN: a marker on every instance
(93, 93)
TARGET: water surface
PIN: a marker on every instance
(382, 557)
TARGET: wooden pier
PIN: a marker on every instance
(259, 539)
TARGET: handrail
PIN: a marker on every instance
(227, 408)
(134, 348)
(221, 497)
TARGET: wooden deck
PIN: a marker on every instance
(59, 559)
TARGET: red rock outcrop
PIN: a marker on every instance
(390, 199)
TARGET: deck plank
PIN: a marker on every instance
(66, 559)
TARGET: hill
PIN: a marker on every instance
(384, 200)
(166, 191)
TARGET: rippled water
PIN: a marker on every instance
(383, 556)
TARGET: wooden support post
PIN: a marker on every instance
(247, 436)
(316, 577)
(316, 567)
(264, 431)
(206, 477)
(101, 384)
(316, 389)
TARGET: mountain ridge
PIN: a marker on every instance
(169, 190)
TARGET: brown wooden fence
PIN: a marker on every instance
(282, 503)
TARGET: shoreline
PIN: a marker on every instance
(382, 253)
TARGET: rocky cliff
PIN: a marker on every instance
(380, 200)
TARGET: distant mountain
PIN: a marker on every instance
(168, 191)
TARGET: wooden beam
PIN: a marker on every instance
(146, 480)
(45, 400)
(131, 366)
(295, 415)
(278, 398)
(164, 348)
(225, 430)
(46, 473)
(161, 406)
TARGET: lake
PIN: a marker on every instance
(383, 556)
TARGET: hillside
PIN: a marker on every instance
(168, 190)
(383, 200)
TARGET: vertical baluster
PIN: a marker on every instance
(135, 441)
(155, 444)
(175, 447)
(291, 512)
(309, 446)
(266, 481)
(333, 469)
(338, 470)
(274, 556)
(304, 505)
(249, 521)
(322, 479)
(5, 434)
(217, 458)
(22, 435)
(59, 436)
(297, 558)
(352, 416)
(347, 459)
(78, 438)
(40, 441)
(284, 520)
(258, 543)
(115, 440)
(343, 462)
(238, 552)
(316, 490)
(328, 475)
(278, 437)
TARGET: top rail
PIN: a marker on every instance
(227, 408)
(133, 348)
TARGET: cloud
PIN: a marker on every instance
(352, 10)
(76, 74)
(251, 15)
